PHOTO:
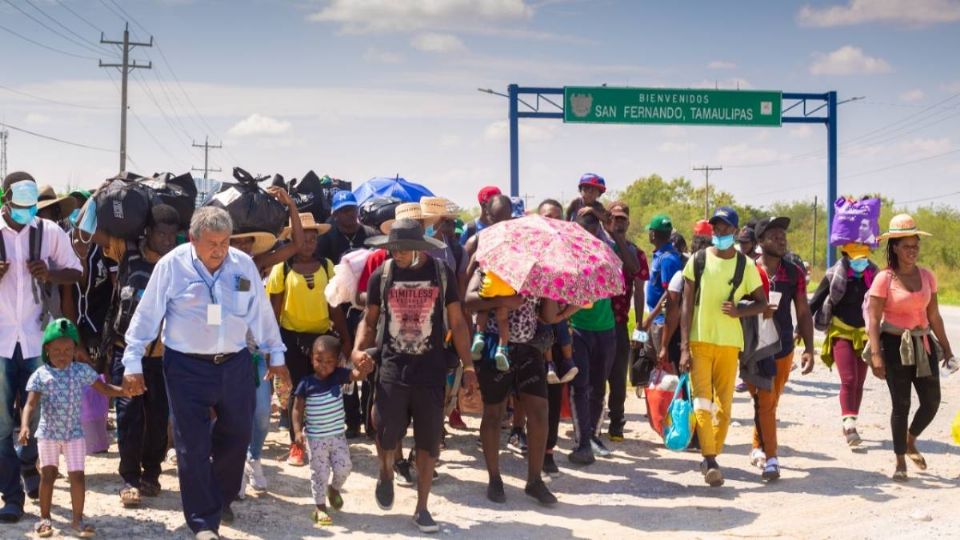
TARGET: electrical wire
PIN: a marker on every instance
(56, 102)
(68, 29)
(54, 30)
(54, 139)
(48, 47)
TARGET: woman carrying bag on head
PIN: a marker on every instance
(837, 307)
(904, 318)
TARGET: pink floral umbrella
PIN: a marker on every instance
(553, 259)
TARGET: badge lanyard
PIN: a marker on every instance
(210, 286)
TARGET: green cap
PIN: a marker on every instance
(59, 328)
(660, 223)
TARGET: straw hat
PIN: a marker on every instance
(262, 241)
(407, 235)
(48, 197)
(309, 223)
(409, 211)
(436, 207)
(902, 225)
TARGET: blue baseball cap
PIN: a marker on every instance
(727, 215)
(343, 199)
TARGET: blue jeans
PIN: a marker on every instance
(261, 412)
(14, 373)
(210, 454)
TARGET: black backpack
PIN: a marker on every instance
(132, 278)
(42, 292)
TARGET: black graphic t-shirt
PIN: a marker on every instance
(413, 341)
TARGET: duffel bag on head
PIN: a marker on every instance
(373, 212)
(123, 206)
(180, 192)
(251, 208)
(308, 194)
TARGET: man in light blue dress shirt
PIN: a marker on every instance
(207, 295)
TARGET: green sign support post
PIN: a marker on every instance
(684, 106)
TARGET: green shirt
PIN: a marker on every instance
(599, 318)
(710, 325)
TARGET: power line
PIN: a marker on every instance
(54, 101)
(77, 15)
(54, 139)
(65, 27)
(48, 47)
(54, 30)
(922, 199)
(152, 97)
(125, 68)
(707, 169)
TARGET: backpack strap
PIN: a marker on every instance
(737, 275)
(441, 272)
(699, 263)
(36, 240)
(386, 279)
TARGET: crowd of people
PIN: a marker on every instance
(196, 335)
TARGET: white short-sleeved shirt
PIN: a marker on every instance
(676, 283)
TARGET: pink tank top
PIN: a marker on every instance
(904, 308)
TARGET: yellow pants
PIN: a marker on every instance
(713, 376)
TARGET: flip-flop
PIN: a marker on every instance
(85, 530)
(918, 460)
(321, 518)
(130, 497)
(336, 501)
(43, 528)
(900, 476)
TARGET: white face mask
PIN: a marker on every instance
(416, 259)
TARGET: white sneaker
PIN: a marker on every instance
(243, 486)
(254, 471)
(758, 459)
(172, 456)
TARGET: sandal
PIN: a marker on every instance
(149, 489)
(321, 518)
(130, 497)
(43, 528)
(85, 530)
(336, 500)
(918, 460)
(900, 475)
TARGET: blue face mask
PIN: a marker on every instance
(23, 215)
(72, 218)
(859, 265)
(88, 222)
(430, 231)
(723, 242)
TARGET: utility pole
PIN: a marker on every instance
(706, 196)
(125, 68)
(4, 135)
(206, 163)
(816, 204)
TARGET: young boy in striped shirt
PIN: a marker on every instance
(318, 421)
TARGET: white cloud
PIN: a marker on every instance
(911, 96)
(365, 16)
(906, 12)
(733, 83)
(499, 131)
(747, 154)
(437, 43)
(953, 87)
(259, 125)
(670, 147)
(802, 131)
(373, 55)
(919, 148)
(721, 64)
(450, 140)
(848, 60)
(37, 119)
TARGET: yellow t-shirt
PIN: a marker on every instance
(710, 324)
(304, 309)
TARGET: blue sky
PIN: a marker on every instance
(363, 88)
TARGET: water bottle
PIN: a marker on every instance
(949, 367)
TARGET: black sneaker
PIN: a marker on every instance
(424, 521)
(550, 466)
(538, 490)
(582, 456)
(384, 495)
(352, 432)
(226, 515)
(404, 472)
(495, 491)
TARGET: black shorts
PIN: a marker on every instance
(395, 404)
(527, 375)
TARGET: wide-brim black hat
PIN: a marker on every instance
(405, 235)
